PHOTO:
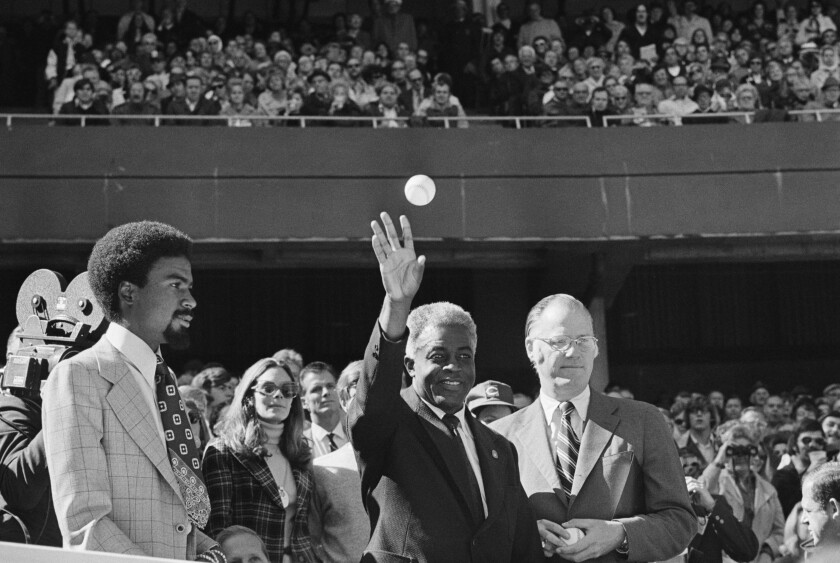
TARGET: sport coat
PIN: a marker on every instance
(627, 470)
(113, 486)
(243, 491)
(412, 486)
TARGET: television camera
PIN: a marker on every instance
(58, 320)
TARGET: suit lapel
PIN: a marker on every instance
(488, 460)
(532, 433)
(126, 400)
(260, 472)
(600, 426)
(439, 445)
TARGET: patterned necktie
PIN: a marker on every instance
(566, 445)
(183, 454)
(474, 495)
(333, 445)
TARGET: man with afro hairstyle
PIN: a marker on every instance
(125, 471)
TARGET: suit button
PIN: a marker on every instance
(180, 528)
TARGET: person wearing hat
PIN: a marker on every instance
(830, 99)
(319, 101)
(491, 400)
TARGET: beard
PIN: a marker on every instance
(177, 338)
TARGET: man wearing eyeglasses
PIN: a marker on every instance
(604, 465)
(807, 451)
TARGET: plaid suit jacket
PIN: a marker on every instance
(112, 483)
(243, 492)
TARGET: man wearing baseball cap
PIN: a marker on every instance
(491, 400)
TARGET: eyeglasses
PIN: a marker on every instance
(679, 421)
(563, 343)
(619, 98)
(817, 441)
(285, 390)
(560, 89)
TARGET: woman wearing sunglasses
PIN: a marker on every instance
(259, 470)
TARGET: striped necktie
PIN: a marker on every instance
(331, 438)
(566, 445)
(183, 454)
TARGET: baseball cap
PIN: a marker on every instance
(489, 393)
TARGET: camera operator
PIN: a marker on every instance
(754, 501)
(26, 508)
(719, 531)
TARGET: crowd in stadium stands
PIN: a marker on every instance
(680, 59)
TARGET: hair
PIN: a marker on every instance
(236, 530)
(240, 429)
(342, 383)
(211, 377)
(318, 367)
(387, 85)
(287, 355)
(806, 402)
(824, 483)
(196, 395)
(128, 253)
(434, 315)
(737, 431)
(568, 301)
(807, 425)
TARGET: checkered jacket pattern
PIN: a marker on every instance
(112, 482)
(243, 491)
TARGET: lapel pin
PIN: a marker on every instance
(494, 454)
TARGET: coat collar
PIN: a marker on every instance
(600, 427)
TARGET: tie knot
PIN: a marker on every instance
(566, 408)
(451, 421)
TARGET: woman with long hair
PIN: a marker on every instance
(259, 470)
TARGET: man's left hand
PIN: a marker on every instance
(601, 537)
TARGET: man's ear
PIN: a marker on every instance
(127, 292)
(409, 365)
(833, 509)
(529, 349)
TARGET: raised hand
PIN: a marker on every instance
(401, 269)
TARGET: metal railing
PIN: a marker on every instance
(377, 122)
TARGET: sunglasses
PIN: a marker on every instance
(817, 441)
(285, 390)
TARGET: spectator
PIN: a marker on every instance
(491, 400)
(599, 107)
(537, 26)
(64, 55)
(806, 448)
(755, 419)
(620, 100)
(588, 33)
(394, 27)
(258, 471)
(291, 358)
(136, 105)
(716, 398)
(788, 23)
(320, 399)
(733, 408)
(690, 22)
(732, 476)
(195, 402)
(803, 408)
(813, 26)
(194, 103)
(273, 100)
(413, 98)
(356, 34)
(216, 383)
(800, 94)
(828, 68)
(389, 109)
(759, 394)
(441, 104)
(821, 510)
(640, 36)
(83, 103)
(236, 107)
(398, 75)
(320, 101)
(134, 24)
(538, 91)
(612, 25)
(644, 106)
(595, 72)
(698, 439)
(242, 545)
(558, 102)
(680, 104)
(774, 411)
(187, 23)
(830, 424)
(461, 42)
(337, 520)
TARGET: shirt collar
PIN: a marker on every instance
(460, 415)
(319, 433)
(581, 403)
(134, 349)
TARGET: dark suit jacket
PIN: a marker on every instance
(25, 498)
(203, 107)
(627, 470)
(242, 491)
(410, 484)
(723, 533)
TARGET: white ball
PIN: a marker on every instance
(575, 535)
(420, 190)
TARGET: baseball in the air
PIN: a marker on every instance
(420, 189)
(575, 535)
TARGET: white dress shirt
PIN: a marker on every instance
(141, 362)
(321, 441)
(581, 403)
(469, 445)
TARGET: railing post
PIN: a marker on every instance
(84, 120)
